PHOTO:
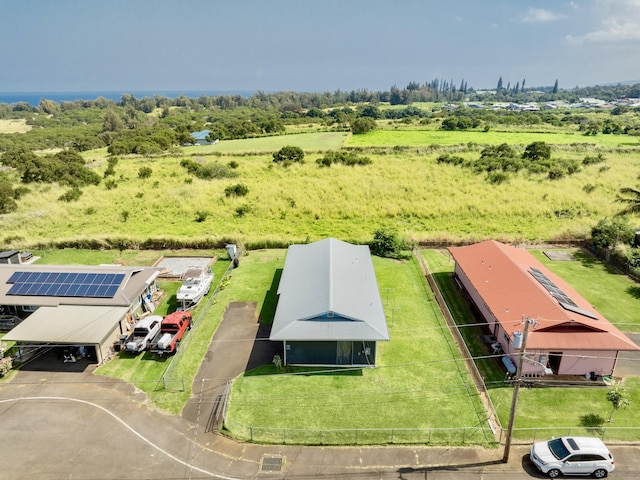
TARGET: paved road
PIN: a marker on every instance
(65, 428)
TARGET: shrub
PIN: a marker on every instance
(497, 177)
(7, 195)
(288, 154)
(537, 151)
(144, 172)
(109, 171)
(387, 244)
(556, 173)
(20, 192)
(588, 160)
(201, 216)
(450, 159)
(208, 171)
(110, 184)
(363, 125)
(71, 195)
(211, 171)
(242, 210)
(609, 233)
(111, 164)
(346, 158)
(237, 190)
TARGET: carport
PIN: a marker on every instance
(90, 326)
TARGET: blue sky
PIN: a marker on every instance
(313, 45)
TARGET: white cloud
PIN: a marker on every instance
(612, 31)
(540, 15)
(619, 23)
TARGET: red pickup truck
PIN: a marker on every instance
(172, 329)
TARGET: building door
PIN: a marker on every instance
(345, 356)
(554, 361)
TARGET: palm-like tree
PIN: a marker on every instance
(631, 198)
(619, 399)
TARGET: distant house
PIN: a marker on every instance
(508, 284)
(329, 309)
(200, 138)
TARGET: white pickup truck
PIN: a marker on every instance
(140, 338)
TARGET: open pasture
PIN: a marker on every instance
(307, 141)
(408, 191)
(425, 137)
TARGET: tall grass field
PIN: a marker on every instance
(406, 189)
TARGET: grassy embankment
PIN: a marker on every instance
(403, 188)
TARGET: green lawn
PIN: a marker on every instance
(425, 137)
(555, 410)
(307, 141)
(419, 382)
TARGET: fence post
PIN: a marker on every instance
(251, 434)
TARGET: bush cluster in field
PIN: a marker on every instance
(498, 161)
(343, 157)
(208, 171)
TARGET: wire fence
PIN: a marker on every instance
(170, 380)
(362, 436)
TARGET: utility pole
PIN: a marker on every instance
(516, 390)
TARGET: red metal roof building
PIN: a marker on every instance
(568, 335)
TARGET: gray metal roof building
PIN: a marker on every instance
(329, 300)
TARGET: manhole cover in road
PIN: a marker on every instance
(271, 464)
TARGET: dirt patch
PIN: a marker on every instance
(14, 126)
(559, 255)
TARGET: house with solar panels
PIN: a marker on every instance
(74, 306)
(329, 309)
(567, 334)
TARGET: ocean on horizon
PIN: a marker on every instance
(34, 98)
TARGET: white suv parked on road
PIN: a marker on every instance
(572, 456)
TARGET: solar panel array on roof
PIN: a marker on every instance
(551, 287)
(54, 284)
(581, 311)
(563, 299)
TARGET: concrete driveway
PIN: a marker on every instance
(629, 362)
